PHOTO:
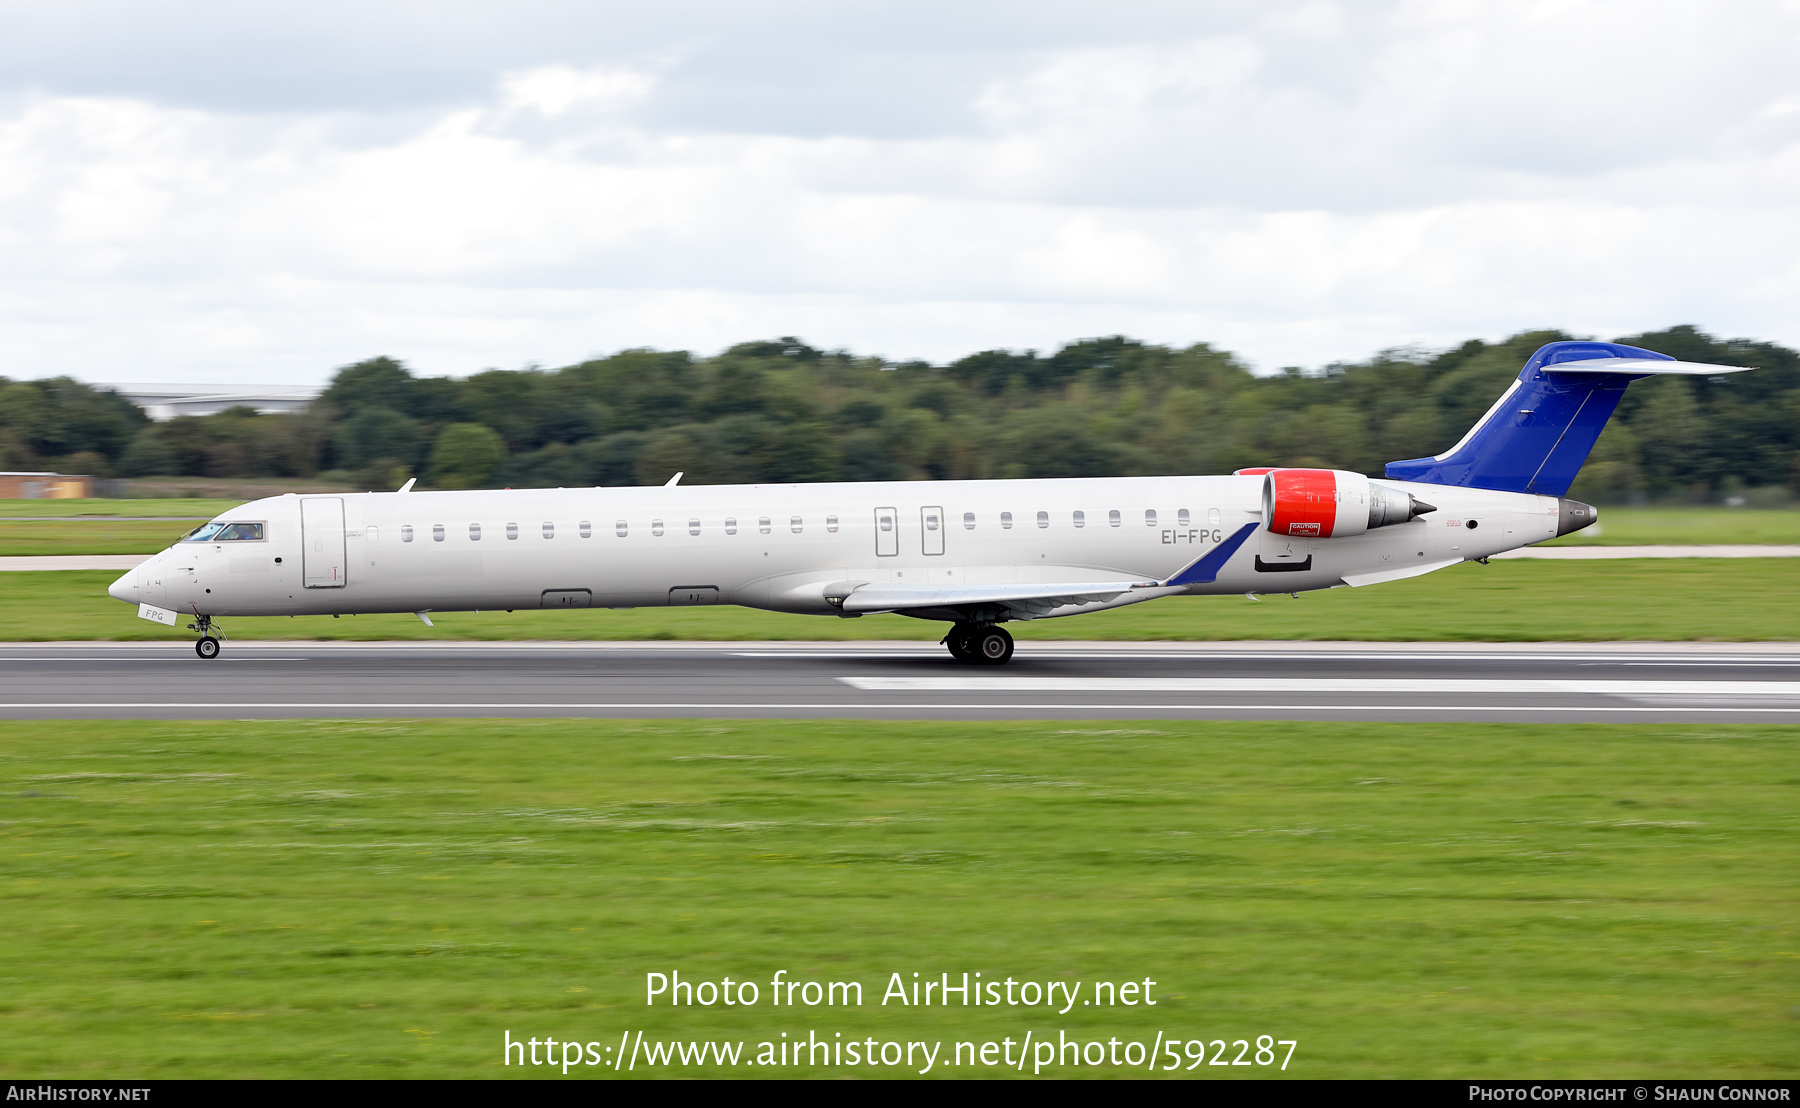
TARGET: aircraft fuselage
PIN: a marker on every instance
(793, 548)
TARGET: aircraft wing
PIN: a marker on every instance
(1026, 601)
(1036, 601)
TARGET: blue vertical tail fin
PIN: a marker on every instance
(1536, 436)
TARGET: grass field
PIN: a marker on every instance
(88, 536)
(356, 899)
(185, 508)
(1516, 601)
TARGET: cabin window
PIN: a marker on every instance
(621, 528)
(1081, 519)
(693, 527)
(512, 531)
(731, 526)
(1112, 517)
(656, 528)
(373, 533)
(406, 533)
(437, 532)
(763, 525)
(1182, 519)
(474, 532)
(587, 529)
(549, 529)
(831, 524)
(795, 525)
(887, 523)
(1149, 517)
(1043, 519)
(1006, 521)
(968, 521)
(1212, 517)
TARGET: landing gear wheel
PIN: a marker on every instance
(207, 647)
(992, 646)
(958, 640)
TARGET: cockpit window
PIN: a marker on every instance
(225, 532)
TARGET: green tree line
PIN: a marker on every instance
(784, 411)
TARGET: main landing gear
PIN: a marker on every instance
(208, 646)
(979, 644)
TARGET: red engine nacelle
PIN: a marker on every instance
(1332, 503)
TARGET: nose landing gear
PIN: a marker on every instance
(208, 646)
(980, 644)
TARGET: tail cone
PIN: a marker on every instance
(1573, 515)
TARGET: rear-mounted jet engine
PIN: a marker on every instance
(1332, 503)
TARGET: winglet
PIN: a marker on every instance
(671, 483)
(1205, 569)
(408, 486)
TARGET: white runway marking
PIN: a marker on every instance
(1028, 652)
(840, 706)
(1743, 690)
(1276, 651)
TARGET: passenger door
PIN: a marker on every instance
(322, 542)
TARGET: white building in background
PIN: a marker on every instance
(165, 402)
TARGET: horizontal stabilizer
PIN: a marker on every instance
(1642, 366)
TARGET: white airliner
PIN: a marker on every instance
(975, 554)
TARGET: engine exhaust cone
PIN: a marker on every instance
(1419, 507)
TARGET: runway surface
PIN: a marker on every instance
(1545, 682)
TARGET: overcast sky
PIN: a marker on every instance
(260, 192)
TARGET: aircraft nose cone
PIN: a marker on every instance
(125, 588)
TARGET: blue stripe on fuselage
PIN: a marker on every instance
(1205, 569)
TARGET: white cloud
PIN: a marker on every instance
(1305, 185)
(554, 89)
